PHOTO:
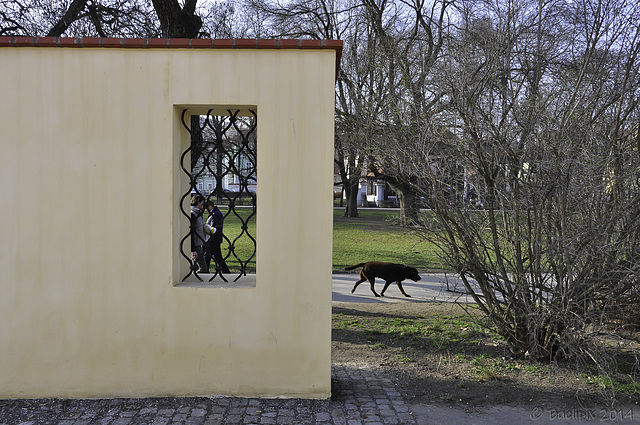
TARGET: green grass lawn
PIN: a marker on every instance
(242, 242)
(373, 236)
(376, 236)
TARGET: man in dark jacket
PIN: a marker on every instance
(198, 233)
(215, 222)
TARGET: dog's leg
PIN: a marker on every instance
(386, 285)
(402, 290)
(362, 279)
(372, 281)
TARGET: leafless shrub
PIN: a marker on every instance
(548, 245)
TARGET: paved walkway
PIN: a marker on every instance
(432, 287)
(360, 396)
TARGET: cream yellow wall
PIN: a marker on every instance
(89, 225)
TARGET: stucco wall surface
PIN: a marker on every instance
(90, 225)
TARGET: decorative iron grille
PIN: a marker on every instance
(220, 164)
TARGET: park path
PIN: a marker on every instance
(434, 287)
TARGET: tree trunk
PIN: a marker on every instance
(219, 175)
(196, 141)
(351, 181)
(351, 190)
(409, 207)
(176, 22)
(343, 174)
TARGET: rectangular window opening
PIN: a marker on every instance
(219, 204)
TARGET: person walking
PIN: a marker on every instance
(198, 233)
(216, 222)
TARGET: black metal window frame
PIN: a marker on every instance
(223, 146)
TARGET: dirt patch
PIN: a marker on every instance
(443, 353)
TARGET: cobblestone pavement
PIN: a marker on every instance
(360, 397)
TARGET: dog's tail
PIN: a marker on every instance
(354, 267)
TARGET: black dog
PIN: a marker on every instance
(390, 272)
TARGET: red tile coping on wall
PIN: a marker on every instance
(175, 43)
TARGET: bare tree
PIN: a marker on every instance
(105, 18)
(546, 132)
(410, 37)
(360, 98)
(384, 97)
(356, 95)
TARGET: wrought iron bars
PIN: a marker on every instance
(223, 157)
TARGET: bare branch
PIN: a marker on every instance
(72, 13)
